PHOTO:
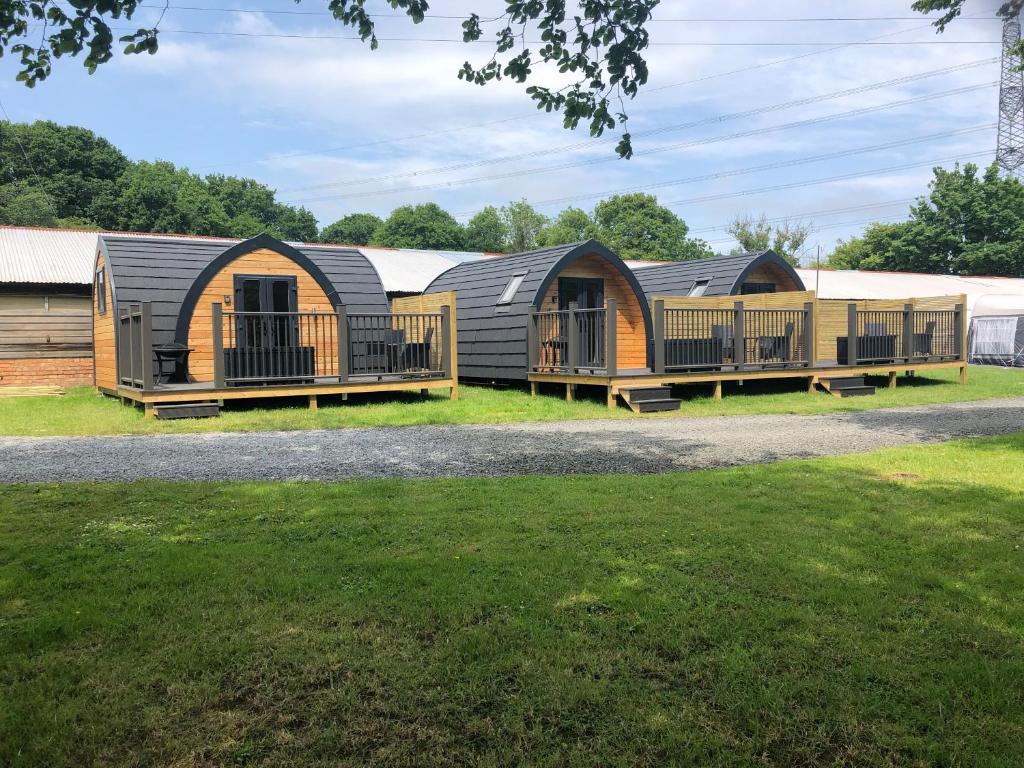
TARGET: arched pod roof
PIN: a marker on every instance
(492, 337)
(725, 275)
(170, 272)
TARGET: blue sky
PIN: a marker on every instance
(327, 122)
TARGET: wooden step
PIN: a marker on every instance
(186, 410)
(844, 382)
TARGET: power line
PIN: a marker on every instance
(822, 228)
(812, 214)
(713, 120)
(669, 43)
(825, 179)
(682, 145)
(534, 113)
(28, 161)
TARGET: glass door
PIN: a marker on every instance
(588, 293)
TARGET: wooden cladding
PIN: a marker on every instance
(631, 346)
(311, 298)
(39, 326)
(103, 333)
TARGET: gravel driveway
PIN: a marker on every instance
(568, 447)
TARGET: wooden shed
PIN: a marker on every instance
(504, 301)
(176, 317)
(733, 275)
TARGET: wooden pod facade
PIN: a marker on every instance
(182, 279)
(734, 275)
(497, 296)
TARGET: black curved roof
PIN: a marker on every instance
(725, 274)
(162, 270)
(492, 338)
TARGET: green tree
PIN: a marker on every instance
(950, 9)
(426, 226)
(786, 239)
(72, 166)
(570, 226)
(523, 224)
(353, 229)
(599, 44)
(486, 231)
(968, 224)
(635, 226)
(23, 205)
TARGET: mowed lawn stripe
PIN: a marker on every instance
(861, 610)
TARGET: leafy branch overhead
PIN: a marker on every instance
(599, 46)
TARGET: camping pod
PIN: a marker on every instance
(734, 275)
(497, 297)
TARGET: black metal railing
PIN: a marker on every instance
(304, 347)
(404, 344)
(135, 346)
(706, 339)
(878, 336)
(573, 340)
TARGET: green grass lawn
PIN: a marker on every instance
(863, 610)
(83, 411)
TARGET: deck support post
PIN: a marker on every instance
(812, 382)
(739, 337)
(908, 332)
(450, 348)
(148, 411)
(659, 336)
(217, 331)
(851, 334)
(809, 340)
(453, 392)
(959, 331)
(963, 374)
(572, 340)
(611, 333)
(892, 379)
(146, 344)
(533, 389)
(611, 398)
(716, 393)
(343, 357)
(532, 344)
(570, 392)
(424, 392)
(312, 403)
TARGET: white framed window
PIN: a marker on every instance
(510, 290)
(698, 288)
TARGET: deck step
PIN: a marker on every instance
(854, 391)
(844, 382)
(653, 406)
(637, 394)
(187, 410)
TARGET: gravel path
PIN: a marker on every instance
(568, 447)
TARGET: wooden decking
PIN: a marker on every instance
(644, 377)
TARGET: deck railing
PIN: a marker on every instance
(302, 347)
(574, 340)
(135, 346)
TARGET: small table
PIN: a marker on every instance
(177, 356)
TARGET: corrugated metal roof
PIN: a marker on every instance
(44, 255)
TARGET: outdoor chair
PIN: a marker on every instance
(415, 356)
(923, 341)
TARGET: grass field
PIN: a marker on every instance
(863, 610)
(83, 411)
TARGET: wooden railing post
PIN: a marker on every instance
(809, 340)
(446, 341)
(959, 329)
(851, 334)
(532, 340)
(659, 336)
(341, 311)
(146, 344)
(611, 337)
(908, 332)
(217, 331)
(739, 334)
(572, 340)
